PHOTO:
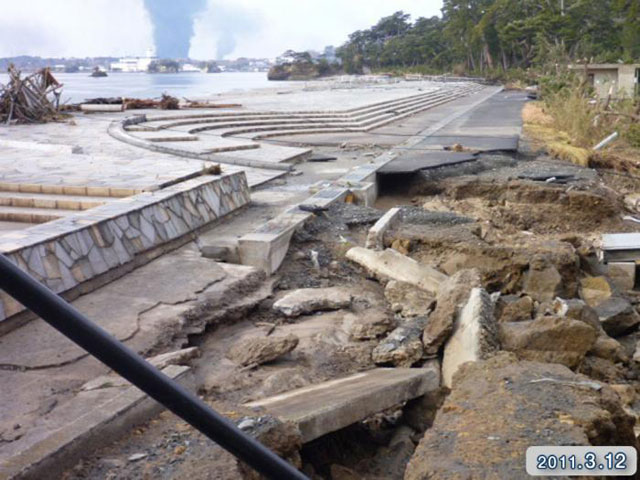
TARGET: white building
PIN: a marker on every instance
(134, 64)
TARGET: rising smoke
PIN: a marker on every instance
(173, 25)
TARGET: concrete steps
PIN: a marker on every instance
(32, 215)
(51, 201)
(202, 134)
(330, 406)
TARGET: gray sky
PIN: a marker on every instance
(251, 28)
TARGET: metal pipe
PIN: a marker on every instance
(102, 345)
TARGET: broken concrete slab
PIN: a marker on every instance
(256, 351)
(413, 162)
(620, 247)
(500, 407)
(549, 339)
(482, 143)
(375, 237)
(390, 264)
(95, 417)
(453, 295)
(308, 300)
(402, 347)
(326, 407)
(617, 316)
(474, 337)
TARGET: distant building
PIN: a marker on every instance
(134, 64)
(617, 78)
(189, 67)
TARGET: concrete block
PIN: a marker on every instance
(265, 250)
(376, 233)
(622, 274)
(390, 264)
(474, 335)
(329, 406)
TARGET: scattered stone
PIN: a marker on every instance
(137, 456)
(500, 407)
(512, 308)
(401, 245)
(549, 339)
(308, 300)
(617, 316)
(608, 348)
(453, 295)
(577, 310)
(622, 274)
(601, 369)
(402, 347)
(256, 351)
(474, 336)
(408, 299)
(390, 264)
(369, 324)
(595, 290)
(543, 281)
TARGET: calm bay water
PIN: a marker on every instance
(80, 86)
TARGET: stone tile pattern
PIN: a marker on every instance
(65, 253)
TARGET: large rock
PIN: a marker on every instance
(309, 300)
(500, 407)
(617, 316)
(453, 295)
(256, 351)
(511, 308)
(410, 300)
(390, 264)
(543, 281)
(369, 324)
(402, 347)
(475, 335)
(549, 339)
(595, 290)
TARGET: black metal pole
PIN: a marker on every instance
(102, 345)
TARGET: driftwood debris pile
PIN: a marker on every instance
(32, 99)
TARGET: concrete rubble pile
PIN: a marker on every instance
(31, 99)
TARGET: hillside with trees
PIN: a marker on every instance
(484, 36)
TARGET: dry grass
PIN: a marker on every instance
(533, 113)
(541, 129)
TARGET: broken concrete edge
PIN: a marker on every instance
(345, 401)
(266, 247)
(474, 336)
(95, 429)
(391, 264)
(66, 254)
(117, 131)
(376, 233)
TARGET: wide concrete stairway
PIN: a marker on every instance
(235, 133)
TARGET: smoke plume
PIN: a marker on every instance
(173, 25)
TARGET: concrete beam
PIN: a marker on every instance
(376, 233)
(329, 406)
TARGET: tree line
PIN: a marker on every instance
(499, 35)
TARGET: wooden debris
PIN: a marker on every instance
(32, 99)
